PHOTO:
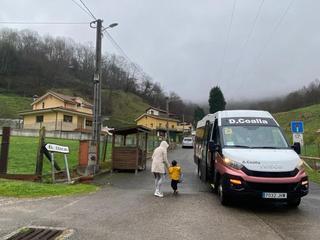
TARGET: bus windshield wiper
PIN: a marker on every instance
(266, 147)
(240, 146)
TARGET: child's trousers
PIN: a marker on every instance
(174, 184)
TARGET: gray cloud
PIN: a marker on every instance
(181, 43)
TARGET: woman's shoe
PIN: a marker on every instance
(158, 194)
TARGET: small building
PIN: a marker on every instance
(185, 127)
(158, 121)
(130, 153)
(59, 112)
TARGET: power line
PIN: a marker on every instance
(43, 23)
(88, 10)
(220, 73)
(248, 38)
(266, 44)
(116, 45)
(82, 8)
(122, 52)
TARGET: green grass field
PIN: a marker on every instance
(311, 118)
(12, 104)
(126, 107)
(21, 189)
(314, 176)
(23, 152)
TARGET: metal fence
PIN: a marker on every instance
(311, 150)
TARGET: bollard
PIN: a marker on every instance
(4, 150)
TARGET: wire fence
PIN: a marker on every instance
(311, 150)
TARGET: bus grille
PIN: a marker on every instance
(270, 174)
(269, 187)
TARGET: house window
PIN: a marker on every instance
(160, 124)
(39, 119)
(88, 123)
(172, 126)
(152, 113)
(67, 118)
(43, 105)
(78, 105)
(151, 125)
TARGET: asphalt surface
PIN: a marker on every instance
(125, 208)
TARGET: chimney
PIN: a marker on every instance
(35, 97)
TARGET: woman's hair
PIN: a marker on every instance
(174, 163)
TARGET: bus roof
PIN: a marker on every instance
(233, 113)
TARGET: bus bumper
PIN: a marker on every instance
(242, 188)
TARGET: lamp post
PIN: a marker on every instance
(97, 88)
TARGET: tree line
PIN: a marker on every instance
(32, 64)
(306, 96)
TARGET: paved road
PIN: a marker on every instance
(125, 208)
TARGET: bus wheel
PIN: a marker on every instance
(293, 203)
(223, 197)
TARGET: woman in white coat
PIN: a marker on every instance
(159, 165)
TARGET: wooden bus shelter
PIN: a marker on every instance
(129, 148)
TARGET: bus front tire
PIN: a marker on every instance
(294, 203)
(223, 197)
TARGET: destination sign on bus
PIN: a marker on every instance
(248, 121)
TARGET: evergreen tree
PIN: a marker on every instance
(216, 100)
(198, 114)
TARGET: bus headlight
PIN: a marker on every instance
(232, 164)
(300, 165)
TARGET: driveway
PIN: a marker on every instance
(125, 208)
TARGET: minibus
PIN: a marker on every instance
(244, 154)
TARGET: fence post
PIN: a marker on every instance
(4, 150)
(305, 149)
(104, 148)
(318, 149)
(39, 163)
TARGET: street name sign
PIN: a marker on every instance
(57, 148)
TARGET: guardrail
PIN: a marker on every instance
(314, 162)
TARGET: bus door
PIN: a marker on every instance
(213, 155)
(204, 155)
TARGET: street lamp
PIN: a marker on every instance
(112, 25)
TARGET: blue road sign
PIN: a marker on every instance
(297, 127)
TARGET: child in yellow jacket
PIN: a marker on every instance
(175, 174)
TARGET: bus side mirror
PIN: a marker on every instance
(213, 147)
(297, 147)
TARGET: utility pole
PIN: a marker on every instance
(182, 125)
(97, 92)
(168, 115)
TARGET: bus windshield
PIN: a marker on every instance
(253, 137)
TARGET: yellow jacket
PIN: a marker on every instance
(175, 172)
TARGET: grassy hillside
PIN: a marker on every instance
(311, 118)
(126, 107)
(12, 104)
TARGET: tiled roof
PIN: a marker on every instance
(65, 98)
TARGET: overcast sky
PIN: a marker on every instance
(191, 45)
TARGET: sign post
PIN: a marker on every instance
(53, 148)
(297, 129)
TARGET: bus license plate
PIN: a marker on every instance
(274, 195)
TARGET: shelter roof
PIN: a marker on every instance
(131, 130)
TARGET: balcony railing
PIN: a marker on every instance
(57, 126)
